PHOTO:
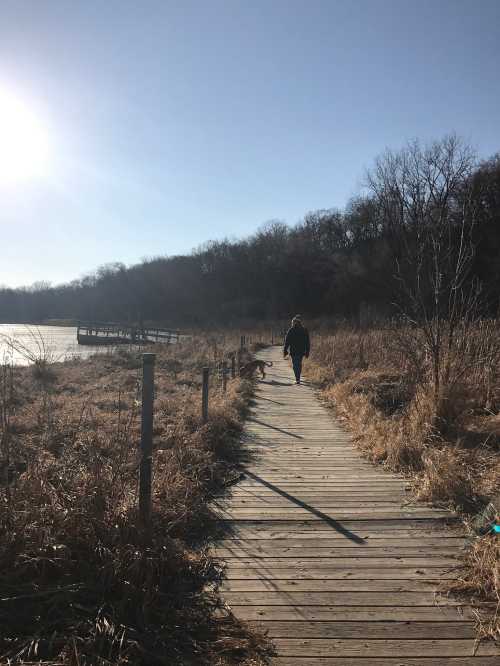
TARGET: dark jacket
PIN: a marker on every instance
(297, 340)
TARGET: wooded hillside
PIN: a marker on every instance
(334, 262)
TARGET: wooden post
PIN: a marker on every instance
(146, 466)
(272, 337)
(238, 361)
(242, 342)
(204, 395)
(224, 376)
(233, 366)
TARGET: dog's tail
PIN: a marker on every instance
(269, 363)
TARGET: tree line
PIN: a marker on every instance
(426, 212)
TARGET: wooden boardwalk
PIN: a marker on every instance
(328, 553)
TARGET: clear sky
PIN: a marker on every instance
(169, 123)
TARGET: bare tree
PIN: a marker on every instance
(430, 212)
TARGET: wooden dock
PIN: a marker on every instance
(329, 554)
(108, 333)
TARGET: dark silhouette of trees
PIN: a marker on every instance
(333, 263)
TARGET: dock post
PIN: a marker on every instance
(224, 376)
(146, 466)
(204, 395)
(238, 361)
(233, 367)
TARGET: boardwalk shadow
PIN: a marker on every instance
(253, 403)
(273, 382)
(338, 527)
(284, 432)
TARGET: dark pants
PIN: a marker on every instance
(297, 365)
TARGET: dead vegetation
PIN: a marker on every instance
(81, 583)
(381, 382)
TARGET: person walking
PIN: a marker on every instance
(297, 341)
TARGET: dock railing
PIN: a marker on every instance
(97, 332)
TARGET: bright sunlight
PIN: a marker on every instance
(24, 142)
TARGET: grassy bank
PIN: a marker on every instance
(80, 581)
(379, 382)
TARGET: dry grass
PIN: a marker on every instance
(81, 583)
(479, 579)
(378, 380)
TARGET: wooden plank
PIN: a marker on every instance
(295, 504)
(345, 496)
(267, 530)
(276, 527)
(273, 598)
(299, 513)
(315, 495)
(386, 661)
(335, 482)
(427, 522)
(326, 516)
(322, 585)
(368, 630)
(320, 503)
(312, 472)
(355, 470)
(257, 571)
(257, 480)
(334, 479)
(258, 546)
(354, 613)
(294, 534)
(317, 647)
(343, 562)
(230, 554)
(301, 450)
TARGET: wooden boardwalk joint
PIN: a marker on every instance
(329, 553)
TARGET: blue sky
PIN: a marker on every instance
(171, 123)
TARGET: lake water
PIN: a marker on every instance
(21, 344)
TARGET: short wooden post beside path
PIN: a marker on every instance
(223, 372)
(224, 376)
(146, 464)
(204, 394)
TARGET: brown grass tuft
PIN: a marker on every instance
(479, 579)
(446, 479)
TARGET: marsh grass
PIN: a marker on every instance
(380, 382)
(81, 583)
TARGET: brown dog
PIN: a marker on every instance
(248, 369)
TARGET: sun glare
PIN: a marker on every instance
(24, 142)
